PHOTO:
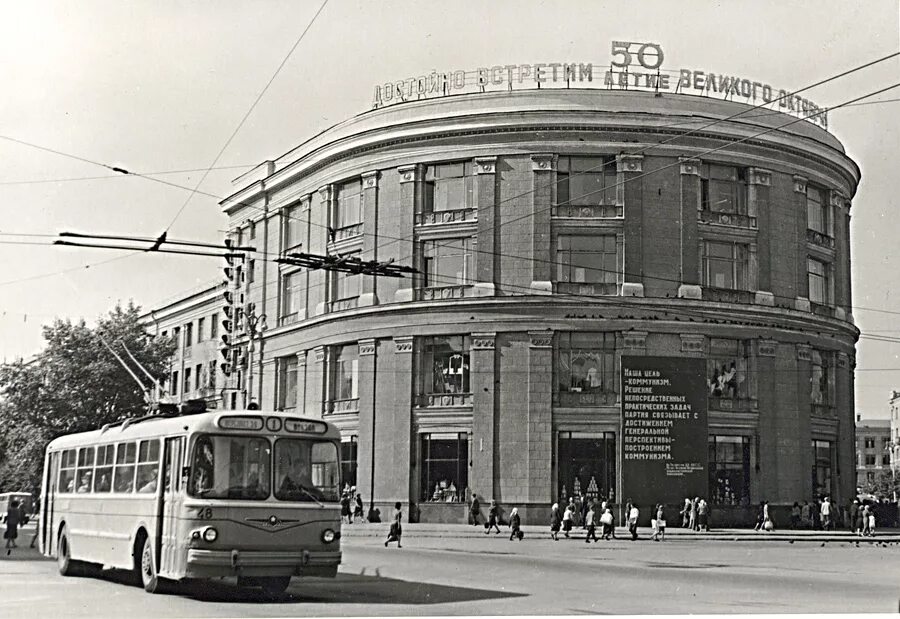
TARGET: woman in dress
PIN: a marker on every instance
(13, 516)
(515, 525)
(555, 522)
(659, 524)
(396, 529)
(567, 519)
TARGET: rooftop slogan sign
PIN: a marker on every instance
(664, 429)
(633, 66)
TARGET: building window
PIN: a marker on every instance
(819, 288)
(870, 460)
(287, 382)
(188, 335)
(589, 260)
(821, 471)
(445, 467)
(175, 383)
(291, 287)
(586, 369)
(348, 208)
(344, 287)
(444, 365)
(723, 189)
(587, 181)
(292, 226)
(211, 375)
(176, 333)
(729, 470)
(448, 262)
(345, 379)
(251, 231)
(198, 376)
(725, 265)
(187, 380)
(817, 210)
(885, 460)
(870, 443)
(820, 379)
(214, 326)
(164, 334)
(726, 369)
(586, 465)
(201, 324)
(448, 187)
(349, 453)
(251, 271)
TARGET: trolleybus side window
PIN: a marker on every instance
(306, 470)
(67, 471)
(85, 473)
(148, 466)
(124, 472)
(231, 467)
(104, 472)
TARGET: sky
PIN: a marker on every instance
(159, 87)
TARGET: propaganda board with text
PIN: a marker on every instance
(664, 429)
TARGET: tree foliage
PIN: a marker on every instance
(886, 485)
(75, 384)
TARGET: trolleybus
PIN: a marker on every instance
(249, 494)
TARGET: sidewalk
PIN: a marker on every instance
(432, 530)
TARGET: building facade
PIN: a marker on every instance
(873, 449)
(895, 430)
(554, 233)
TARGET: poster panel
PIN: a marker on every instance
(664, 430)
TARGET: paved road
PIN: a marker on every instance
(490, 575)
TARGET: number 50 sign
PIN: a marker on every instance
(649, 55)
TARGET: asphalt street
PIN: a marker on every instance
(470, 574)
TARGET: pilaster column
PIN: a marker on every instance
(320, 218)
(315, 383)
(759, 187)
(267, 384)
(845, 475)
(483, 378)
(369, 292)
(839, 218)
(802, 301)
(539, 416)
(764, 476)
(404, 250)
(486, 260)
(794, 432)
(301, 377)
(631, 167)
(543, 167)
(689, 229)
(365, 471)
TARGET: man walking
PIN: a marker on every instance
(826, 515)
(475, 509)
(633, 521)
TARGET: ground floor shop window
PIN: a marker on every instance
(821, 471)
(586, 465)
(729, 470)
(349, 452)
(445, 467)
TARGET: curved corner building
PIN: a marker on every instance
(556, 231)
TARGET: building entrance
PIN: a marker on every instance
(586, 465)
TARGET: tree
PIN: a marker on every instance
(886, 485)
(75, 384)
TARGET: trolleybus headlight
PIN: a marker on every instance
(210, 534)
(328, 536)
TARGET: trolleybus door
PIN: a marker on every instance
(48, 539)
(170, 506)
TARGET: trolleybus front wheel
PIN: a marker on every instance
(149, 578)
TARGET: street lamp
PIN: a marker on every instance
(255, 325)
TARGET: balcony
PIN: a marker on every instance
(821, 310)
(347, 232)
(287, 319)
(823, 410)
(727, 295)
(734, 220)
(820, 239)
(592, 211)
(446, 400)
(446, 217)
(343, 304)
(339, 407)
(732, 404)
(594, 289)
(443, 293)
(576, 399)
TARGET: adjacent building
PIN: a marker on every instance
(554, 233)
(873, 449)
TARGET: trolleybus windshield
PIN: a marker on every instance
(306, 470)
(231, 467)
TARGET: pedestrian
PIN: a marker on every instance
(795, 516)
(396, 529)
(805, 515)
(633, 515)
(358, 510)
(760, 516)
(685, 514)
(871, 522)
(576, 511)
(345, 508)
(607, 521)
(590, 525)
(692, 522)
(659, 523)
(861, 517)
(493, 515)
(555, 522)
(567, 518)
(768, 524)
(816, 513)
(826, 514)
(475, 509)
(515, 525)
(586, 505)
(13, 518)
(703, 516)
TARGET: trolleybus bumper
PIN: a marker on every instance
(217, 563)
